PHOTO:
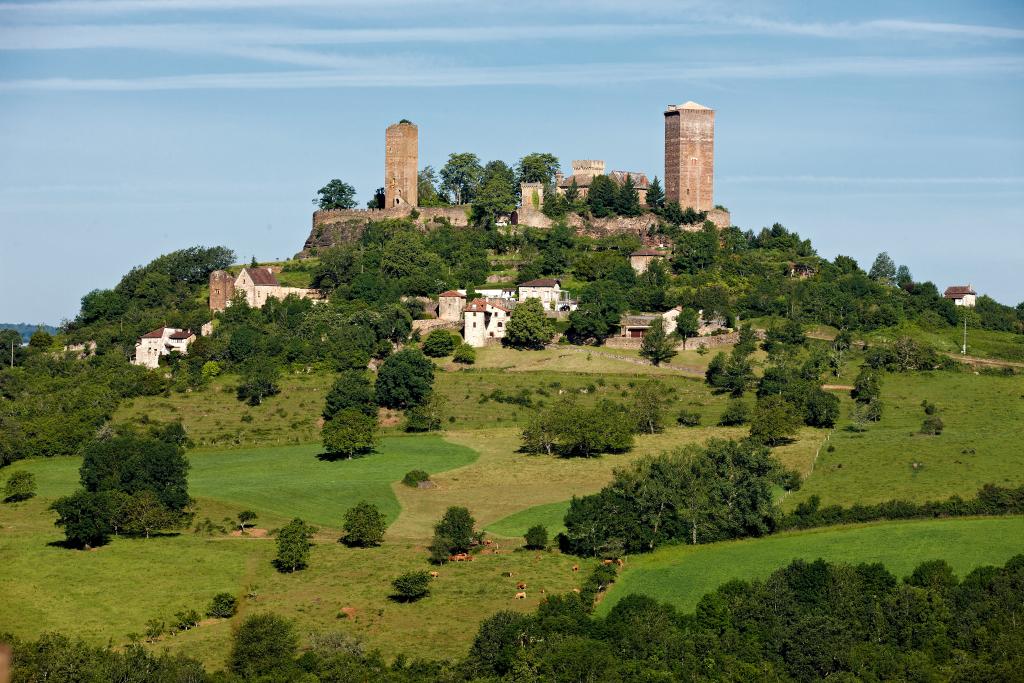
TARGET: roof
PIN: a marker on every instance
(640, 181)
(543, 282)
(182, 334)
(480, 306)
(688, 105)
(642, 320)
(262, 276)
(451, 293)
(958, 291)
(648, 252)
(158, 333)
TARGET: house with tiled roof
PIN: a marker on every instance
(161, 342)
(641, 259)
(257, 283)
(485, 321)
(548, 290)
(961, 295)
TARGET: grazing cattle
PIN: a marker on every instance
(508, 574)
(606, 562)
(520, 585)
(542, 591)
(575, 567)
(459, 557)
(434, 575)
(521, 595)
(488, 542)
(620, 562)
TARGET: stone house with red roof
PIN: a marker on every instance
(161, 342)
(961, 295)
(485, 321)
(257, 283)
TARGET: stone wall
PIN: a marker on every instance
(332, 227)
(691, 344)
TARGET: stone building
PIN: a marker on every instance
(642, 259)
(548, 290)
(485, 322)
(451, 304)
(585, 170)
(401, 164)
(257, 283)
(636, 326)
(961, 295)
(690, 156)
(161, 342)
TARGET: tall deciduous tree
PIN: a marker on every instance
(657, 346)
(528, 327)
(352, 389)
(265, 645)
(350, 433)
(538, 167)
(404, 379)
(364, 525)
(293, 545)
(336, 194)
(460, 176)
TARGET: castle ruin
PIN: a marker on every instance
(401, 164)
(690, 156)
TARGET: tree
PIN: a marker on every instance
(536, 537)
(259, 380)
(542, 431)
(454, 532)
(883, 269)
(528, 327)
(293, 545)
(696, 251)
(649, 402)
(143, 513)
(627, 199)
(222, 606)
(439, 343)
(41, 340)
(21, 485)
(775, 421)
(405, 379)
(411, 586)
(336, 194)
(538, 167)
(464, 354)
(496, 195)
(352, 389)
(602, 198)
(85, 518)
(364, 525)
(688, 323)
(867, 386)
(264, 645)
(427, 188)
(736, 413)
(351, 433)
(903, 277)
(461, 176)
(655, 194)
(656, 346)
(244, 518)
(132, 464)
(425, 417)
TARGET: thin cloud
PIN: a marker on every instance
(869, 180)
(385, 75)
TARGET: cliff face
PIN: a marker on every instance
(342, 226)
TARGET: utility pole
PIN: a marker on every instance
(12, 353)
(963, 349)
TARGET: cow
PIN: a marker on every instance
(520, 585)
(620, 562)
(434, 575)
(458, 557)
(575, 590)
(488, 541)
(606, 562)
(521, 595)
(575, 567)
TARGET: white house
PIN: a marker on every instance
(484, 321)
(451, 304)
(160, 342)
(550, 293)
(962, 295)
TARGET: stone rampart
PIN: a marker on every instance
(332, 227)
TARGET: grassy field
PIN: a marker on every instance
(981, 343)
(983, 416)
(682, 574)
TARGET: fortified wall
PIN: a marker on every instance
(332, 227)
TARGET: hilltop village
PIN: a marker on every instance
(480, 315)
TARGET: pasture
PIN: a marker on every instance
(680, 575)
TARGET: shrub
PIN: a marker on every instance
(185, 619)
(425, 417)
(736, 413)
(536, 537)
(259, 380)
(439, 343)
(414, 477)
(21, 485)
(932, 425)
(688, 418)
(223, 606)
(211, 369)
(293, 544)
(264, 644)
(929, 408)
(464, 354)
(411, 586)
(364, 525)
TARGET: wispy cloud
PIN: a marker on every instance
(383, 74)
(879, 180)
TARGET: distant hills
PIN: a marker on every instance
(26, 330)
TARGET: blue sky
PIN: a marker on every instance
(129, 128)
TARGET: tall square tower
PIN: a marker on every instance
(690, 156)
(401, 164)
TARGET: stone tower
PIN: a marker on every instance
(401, 164)
(222, 288)
(690, 155)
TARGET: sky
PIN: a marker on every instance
(130, 128)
